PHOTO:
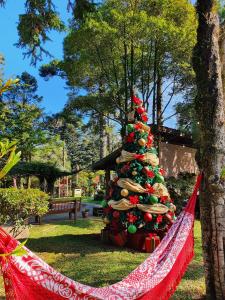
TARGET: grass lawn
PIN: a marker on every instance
(77, 252)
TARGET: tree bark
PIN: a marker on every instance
(103, 136)
(210, 109)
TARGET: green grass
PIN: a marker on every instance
(77, 252)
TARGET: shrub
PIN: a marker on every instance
(16, 205)
(181, 188)
(99, 196)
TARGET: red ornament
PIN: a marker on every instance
(136, 100)
(144, 118)
(140, 110)
(131, 218)
(134, 199)
(116, 214)
(159, 219)
(147, 217)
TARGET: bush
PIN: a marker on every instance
(16, 205)
(99, 196)
(181, 188)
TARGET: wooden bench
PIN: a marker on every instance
(62, 206)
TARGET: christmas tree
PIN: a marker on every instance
(138, 200)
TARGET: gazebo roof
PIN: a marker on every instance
(168, 135)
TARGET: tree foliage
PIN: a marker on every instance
(126, 45)
(21, 116)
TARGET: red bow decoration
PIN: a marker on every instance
(131, 218)
(134, 199)
(138, 126)
(130, 137)
(150, 173)
(159, 219)
(164, 199)
(152, 235)
(162, 172)
(149, 189)
(139, 156)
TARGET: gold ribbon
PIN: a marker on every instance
(130, 185)
(159, 189)
(149, 158)
(125, 204)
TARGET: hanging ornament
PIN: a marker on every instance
(118, 160)
(134, 173)
(147, 217)
(136, 100)
(130, 128)
(124, 192)
(142, 142)
(159, 178)
(144, 117)
(106, 220)
(153, 199)
(140, 110)
(132, 229)
(116, 214)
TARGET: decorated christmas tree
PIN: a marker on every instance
(138, 202)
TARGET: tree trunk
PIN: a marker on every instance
(210, 109)
(103, 136)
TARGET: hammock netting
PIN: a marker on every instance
(29, 277)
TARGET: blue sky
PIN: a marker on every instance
(53, 91)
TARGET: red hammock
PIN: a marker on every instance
(29, 278)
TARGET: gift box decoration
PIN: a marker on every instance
(105, 236)
(151, 242)
(119, 239)
(137, 240)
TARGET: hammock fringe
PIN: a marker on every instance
(29, 278)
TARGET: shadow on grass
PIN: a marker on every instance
(80, 223)
(72, 244)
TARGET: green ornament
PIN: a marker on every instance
(142, 151)
(103, 203)
(132, 228)
(130, 127)
(159, 178)
(153, 199)
(140, 197)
